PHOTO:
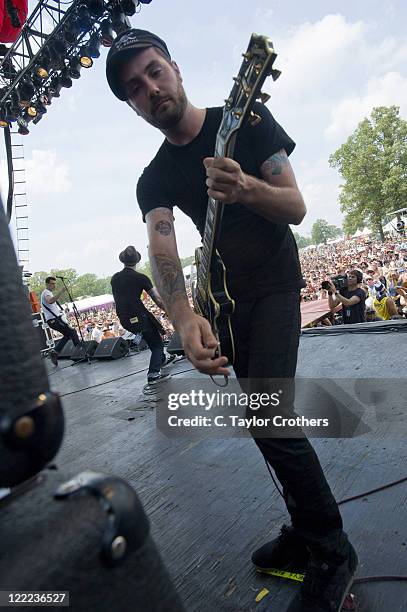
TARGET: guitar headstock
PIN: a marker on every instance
(257, 65)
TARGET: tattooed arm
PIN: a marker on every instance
(195, 332)
(276, 197)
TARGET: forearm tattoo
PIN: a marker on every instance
(169, 278)
(163, 227)
(276, 162)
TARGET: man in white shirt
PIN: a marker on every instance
(54, 314)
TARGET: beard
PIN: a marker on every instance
(172, 115)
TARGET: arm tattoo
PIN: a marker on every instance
(163, 227)
(170, 279)
(276, 162)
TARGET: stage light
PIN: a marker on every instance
(107, 34)
(26, 91)
(22, 126)
(57, 56)
(120, 22)
(3, 121)
(32, 111)
(55, 87)
(74, 69)
(71, 33)
(94, 46)
(96, 7)
(85, 58)
(37, 119)
(43, 67)
(65, 79)
(40, 106)
(59, 46)
(84, 19)
(129, 6)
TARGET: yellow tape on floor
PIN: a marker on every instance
(282, 574)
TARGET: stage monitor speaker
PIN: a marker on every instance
(174, 346)
(84, 350)
(67, 350)
(111, 348)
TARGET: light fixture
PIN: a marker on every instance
(120, 22)
(85, 58)
(107, 34)
(40, 106)
(3, 121)
(23, 126)
(32, 111)
(43, 67)
(71, 32)
(96, 7)
(129, 6)
(59, 46)
(37, 119)
(83, 18)
(94, 46)
(57, 55)
(65, 79)
(74, 69)
(55, 87)
(26, 91)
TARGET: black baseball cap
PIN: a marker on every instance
(123, 48)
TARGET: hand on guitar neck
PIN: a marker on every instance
(200, 345)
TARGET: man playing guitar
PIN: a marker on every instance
(263, 277)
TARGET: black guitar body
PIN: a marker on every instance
(215, 304)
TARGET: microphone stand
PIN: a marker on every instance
(76, 313)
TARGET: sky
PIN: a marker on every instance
(338, 61)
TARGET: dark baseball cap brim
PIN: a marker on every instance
(123, 49)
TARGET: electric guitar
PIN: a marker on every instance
(211, 297)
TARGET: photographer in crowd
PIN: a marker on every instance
(349, 293)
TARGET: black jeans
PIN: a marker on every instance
(154, 342)
(266, 333)
(68, 333)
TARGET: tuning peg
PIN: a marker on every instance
(264, 97)
(228, 101)
(237, 114)
(247, 91)
(246, 55)
(237, 79)
(254, 119)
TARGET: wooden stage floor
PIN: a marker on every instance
(211, 502)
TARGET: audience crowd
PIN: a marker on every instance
(384, 262)
(380, 262)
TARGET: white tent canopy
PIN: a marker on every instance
(91, 302)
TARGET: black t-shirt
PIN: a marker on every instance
(355, 313)
(261, 257)
(127, 287)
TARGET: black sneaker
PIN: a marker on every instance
(53, 355)
(167, 360)
(288, 551)
(325, 587)
(152, 379)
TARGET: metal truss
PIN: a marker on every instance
(47, 19)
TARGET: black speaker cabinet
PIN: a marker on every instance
(111, 348)
(67, 350)
(84, 350)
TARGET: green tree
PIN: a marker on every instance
(302, 241)
(321, 231)
(373, 163)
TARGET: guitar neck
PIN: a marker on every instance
(214, 212)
